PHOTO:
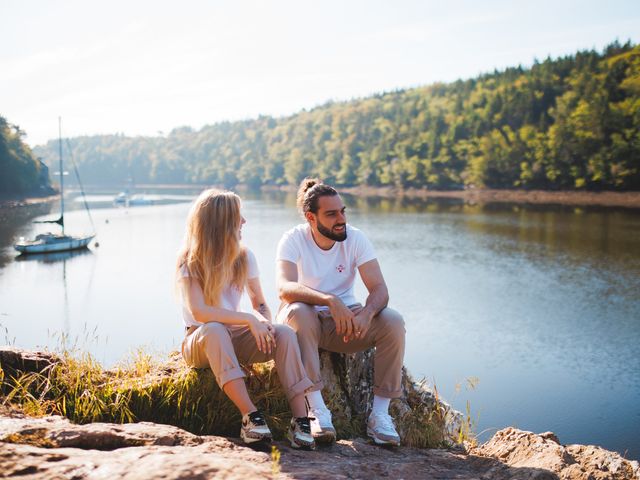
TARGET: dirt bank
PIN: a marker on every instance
(605, 199)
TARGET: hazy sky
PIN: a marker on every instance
(144, 67)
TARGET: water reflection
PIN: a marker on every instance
(542, 232)
(53, 257)
(16, 222)
(59, 258)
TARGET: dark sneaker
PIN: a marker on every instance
(321, 426)
(299, 433)
(254, 428)
(382, 431)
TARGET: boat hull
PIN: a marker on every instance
(70, 243)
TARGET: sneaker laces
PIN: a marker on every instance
(322, 415)
(304, 423)
(384, 421)
(257, 418)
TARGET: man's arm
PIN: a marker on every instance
(290, 290)
(377, 299)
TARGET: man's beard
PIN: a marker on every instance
(327, 232)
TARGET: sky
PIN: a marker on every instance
(147, 67)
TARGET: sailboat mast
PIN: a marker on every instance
(61, 174)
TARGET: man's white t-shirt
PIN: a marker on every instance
(231, 296)
(330, 271)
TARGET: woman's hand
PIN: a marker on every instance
(263, 332)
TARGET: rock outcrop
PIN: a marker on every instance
(169, 392)
(571, 462)
(52, 446)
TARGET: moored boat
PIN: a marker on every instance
(51, 242)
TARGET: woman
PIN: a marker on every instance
(213, 269)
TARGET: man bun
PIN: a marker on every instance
(310, 190)
(304, 187)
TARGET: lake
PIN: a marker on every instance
(531, 314)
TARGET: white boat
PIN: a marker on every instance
(121, 199)
(50, 242)
(138, 199)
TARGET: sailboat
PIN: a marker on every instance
(55, 242)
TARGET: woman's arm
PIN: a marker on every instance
(254, 289)
(203, 313)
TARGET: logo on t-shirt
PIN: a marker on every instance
(340, 268)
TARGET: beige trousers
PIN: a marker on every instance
(224, 348)
(318, 330)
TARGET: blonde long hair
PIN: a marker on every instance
(212, 252)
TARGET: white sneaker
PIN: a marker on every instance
(381, 429)
(321, 426)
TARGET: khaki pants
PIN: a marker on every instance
(318, 330)
(224, 348)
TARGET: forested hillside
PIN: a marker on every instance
(20, 172)
(566, 123)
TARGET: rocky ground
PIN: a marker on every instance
(52, 447)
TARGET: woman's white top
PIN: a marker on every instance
(230, 297)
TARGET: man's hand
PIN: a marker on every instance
(342, 316)
(361, 323)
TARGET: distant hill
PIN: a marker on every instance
(565, 123)
(21, 173)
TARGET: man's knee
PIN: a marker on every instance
(284, 334)
(392, 322)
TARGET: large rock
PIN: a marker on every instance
(14, 361)
(171, 393)
(58, 432)
(528, 450)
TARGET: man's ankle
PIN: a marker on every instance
(315, 401)
(380, 405)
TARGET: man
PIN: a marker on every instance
(316, 269)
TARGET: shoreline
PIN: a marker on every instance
(24, 201)
(629, 200)
(539, 197)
